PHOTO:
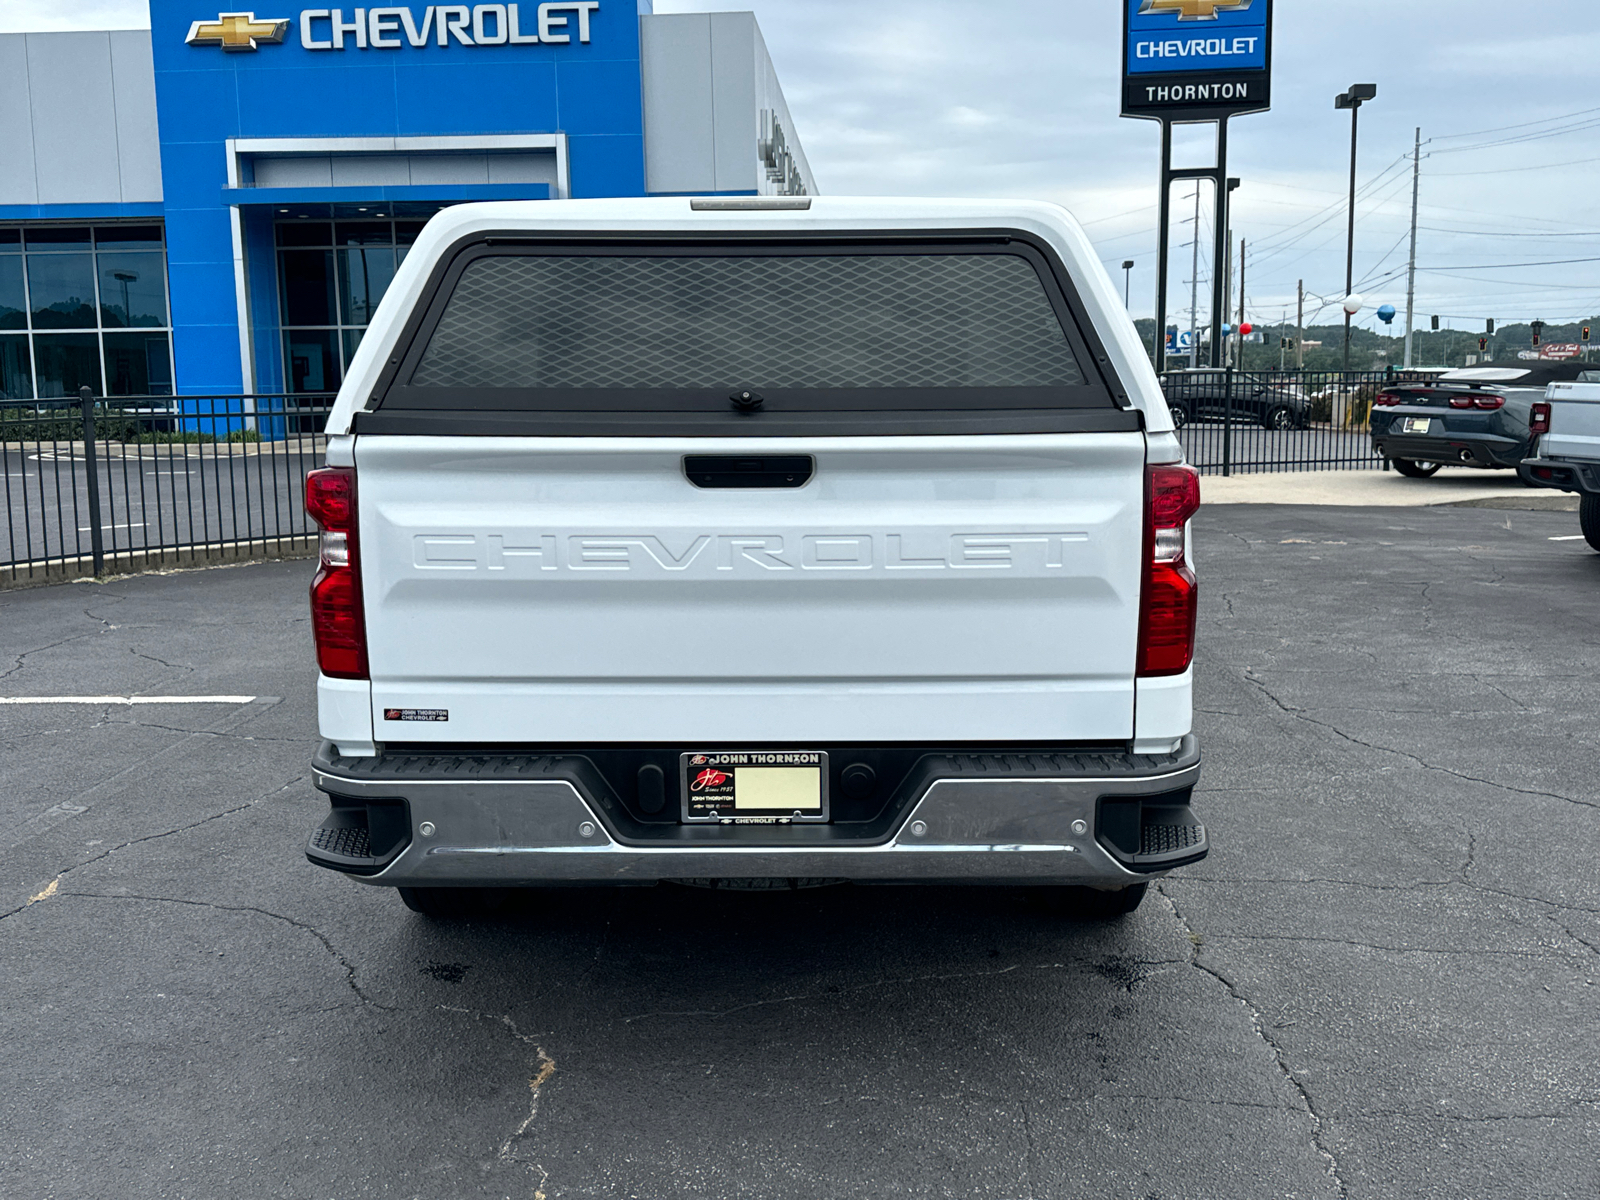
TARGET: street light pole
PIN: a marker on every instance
(1127, 280)
(1352, 99)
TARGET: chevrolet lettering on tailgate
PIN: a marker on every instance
(734, 551)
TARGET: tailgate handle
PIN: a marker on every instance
(749, 470)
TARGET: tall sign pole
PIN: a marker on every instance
(1193, 62)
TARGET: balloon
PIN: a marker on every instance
(1353, 303)
(1386, 313)
(1246, 328)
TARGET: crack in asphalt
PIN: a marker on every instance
(327, 944)
(19, 659)
(163, 662)
(1474, 952)
(1280, 1057)
(1301, 715)
(1565, 1113)
(1592, 947)
(544, 1068)
(153, 837)
(1496, 688)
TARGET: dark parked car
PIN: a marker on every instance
(1472, 417)
(1204, 396)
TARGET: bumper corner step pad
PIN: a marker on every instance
(344, 840)
(1166, 835)
(1165, 841)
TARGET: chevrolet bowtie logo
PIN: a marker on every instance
(1193, 10)
(238, 31)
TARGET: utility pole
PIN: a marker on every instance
(1194, 286)
(1239, 328)
(1300, 327)
(1411, 267)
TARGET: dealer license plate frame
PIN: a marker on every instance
(715, 802)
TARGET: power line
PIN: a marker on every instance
(1549, 262)
(1501, 233)
(1520, 139)
(1450, 137)
(1574, 162)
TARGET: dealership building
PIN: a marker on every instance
(216, 205)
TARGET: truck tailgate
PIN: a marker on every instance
(582, 590)
(1574, 421)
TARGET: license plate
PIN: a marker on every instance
(1416, 425)
(755, 787)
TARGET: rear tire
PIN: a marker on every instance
(1092, 904)
(1415, 470)
(1589, 520)
(1180, 415)
(451, 902)
(1280, 418)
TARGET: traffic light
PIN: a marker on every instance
(1583, 334)
(1436, 324)
(1538, 332)
(1483, 343)
(1489, 328)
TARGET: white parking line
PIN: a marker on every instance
(1571, 537)
(135, 525)
(126, 699)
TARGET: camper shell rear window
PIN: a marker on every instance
(742, 337)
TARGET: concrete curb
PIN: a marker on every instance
(136, 562)
(1452, 486)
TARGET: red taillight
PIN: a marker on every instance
(1488, 402)
(1169, 602)
(1387, 399)
(331, 498)
(1539, 417)
(338, 621)
(1460, 401)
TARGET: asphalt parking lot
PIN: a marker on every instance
(1382, 983)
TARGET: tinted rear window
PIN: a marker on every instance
(805, 322)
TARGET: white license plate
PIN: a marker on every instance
(1417, 425)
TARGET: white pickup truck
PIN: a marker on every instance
(754, 542)
(1566, 447)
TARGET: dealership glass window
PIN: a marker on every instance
(13, 296)
(65, 362)
(61, 290)
(65, 291)
(137, 364)
(16, 367)
(331, 277)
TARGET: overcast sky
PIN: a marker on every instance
(1020, 98)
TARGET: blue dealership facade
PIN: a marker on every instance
(219, 209)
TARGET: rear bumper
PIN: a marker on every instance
(1105, 820)
(1464, 449)
(1581, 477)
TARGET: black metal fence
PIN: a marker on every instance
(1243, 422)
(115, 484)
